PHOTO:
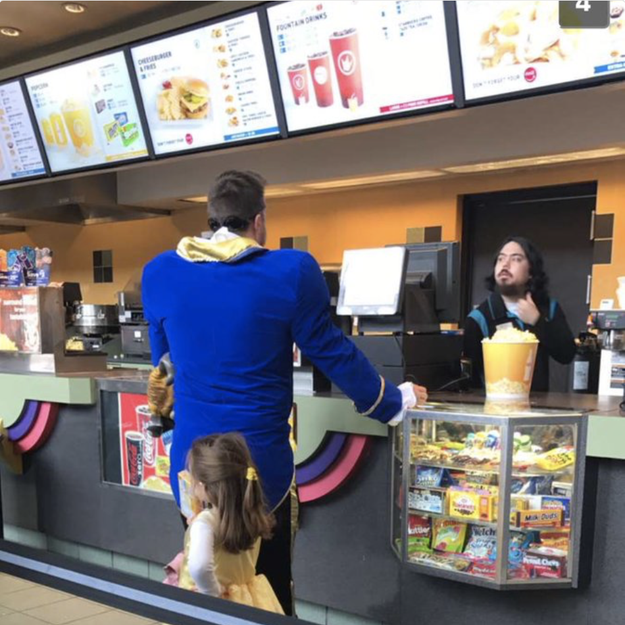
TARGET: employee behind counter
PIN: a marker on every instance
(519, 297)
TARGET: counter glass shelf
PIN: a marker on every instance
(473, 482)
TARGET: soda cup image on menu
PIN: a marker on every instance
(134, 457)
(346, 57)
(298, 77)
(58, 130)
(78, 121)
(319, 66)
(149, 442)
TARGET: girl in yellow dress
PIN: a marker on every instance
(223, 541)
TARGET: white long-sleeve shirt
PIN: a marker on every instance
(201, 560)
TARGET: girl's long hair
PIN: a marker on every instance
(222, 463)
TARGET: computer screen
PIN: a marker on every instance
(442, 261)
(372, 281)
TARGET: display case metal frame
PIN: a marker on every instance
(457, 413)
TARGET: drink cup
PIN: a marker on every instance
(134, 457)
(319, 66)
(78, 121)
(346, 57)
(298, 78)
(144, 416)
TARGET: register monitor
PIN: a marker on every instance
(372, 282)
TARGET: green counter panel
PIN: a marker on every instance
(16, 389)
(316, 416)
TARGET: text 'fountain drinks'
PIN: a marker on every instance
(346, 57)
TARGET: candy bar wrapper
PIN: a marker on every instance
(29, 265)
(44, 266)
(4, 268)
(559, 503)
(15, 270)
(189, 504)
(432, 477)
(449, 536)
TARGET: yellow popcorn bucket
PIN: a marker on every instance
(509, 368)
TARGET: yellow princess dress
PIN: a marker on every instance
(210, 569)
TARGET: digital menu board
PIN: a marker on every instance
(87, 113)
(208, 86)
(510, 47)
(339, 62)
(19, 153)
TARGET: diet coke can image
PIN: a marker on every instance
(346, 57)
(144, 417)
(134, 457)
(298, 78)
(319, 66)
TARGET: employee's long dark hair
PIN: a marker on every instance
(538, 282)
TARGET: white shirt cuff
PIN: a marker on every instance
(409, 400)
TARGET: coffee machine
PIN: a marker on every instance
(611, 325)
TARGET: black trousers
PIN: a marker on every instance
(274, 559)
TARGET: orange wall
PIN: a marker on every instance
(333, 222)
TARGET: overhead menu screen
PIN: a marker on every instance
(87, 113)
(511, 47)
(19, 153)
(340, 62)
(207, 87)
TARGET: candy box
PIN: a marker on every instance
(472, 505)
(562, 489)
(427, 500)
(541, 518)
(559, 503)
(545, 562)
(432, 477)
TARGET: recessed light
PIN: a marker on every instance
(9, 31)
(74, 7)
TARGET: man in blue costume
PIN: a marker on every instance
(228, 311)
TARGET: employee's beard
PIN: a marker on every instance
(511, 290)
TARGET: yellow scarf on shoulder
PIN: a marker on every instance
(224, 246)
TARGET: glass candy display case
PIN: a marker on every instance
(473, 482)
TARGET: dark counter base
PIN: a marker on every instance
(343, 557)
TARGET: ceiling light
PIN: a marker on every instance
(202, 199)
(74, 7)
(9, 31)
(275, 192)
(535, 161)
(366, 180)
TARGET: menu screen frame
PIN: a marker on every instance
(454, 68)
(33, 121)
(563, 87)
(267, 52)
(133, 92)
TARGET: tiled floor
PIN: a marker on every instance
(26, 603)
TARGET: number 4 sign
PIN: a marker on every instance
(584, 14)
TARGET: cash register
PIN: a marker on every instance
(400, 296)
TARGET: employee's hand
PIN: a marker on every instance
(528, 311)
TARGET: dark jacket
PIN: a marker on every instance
(551, 329)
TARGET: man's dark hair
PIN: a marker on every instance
(235, 198)
(538, 282)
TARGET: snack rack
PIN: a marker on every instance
(473, 482)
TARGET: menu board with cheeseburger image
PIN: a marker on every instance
(87, 114)
(207, 86)
(340, 62)
(19, 153)
(511, 47)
